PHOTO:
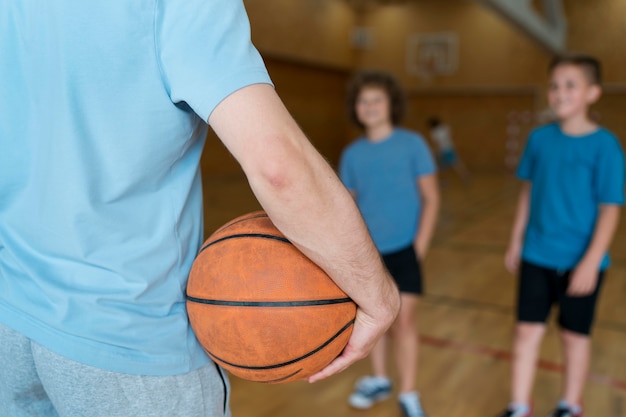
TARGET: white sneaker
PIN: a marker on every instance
(368, 391)
(410, 404)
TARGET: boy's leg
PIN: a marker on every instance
(369, 390)
(80, 390)
(576, 319)
(526, 344)
(378, 357)
(21, 391)
(536, 293)
(577, 352)
(406, 342)
(406, 270)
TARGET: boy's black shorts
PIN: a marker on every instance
(406, 270)
(540, 288)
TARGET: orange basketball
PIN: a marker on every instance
(263, 310)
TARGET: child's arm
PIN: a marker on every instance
(514, 251)
(585, 275)
(429, 190)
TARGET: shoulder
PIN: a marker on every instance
(542, 134)
(607, 147)
(608, 138)
(547, 130)
(354, 147)
(414, 147)
(409, 136)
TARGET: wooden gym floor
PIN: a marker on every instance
(466, 319)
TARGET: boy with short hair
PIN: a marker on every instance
(392, 175)
(567, 213)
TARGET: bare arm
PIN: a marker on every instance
(429, 191)
(309, 204)
(585, 275)
(513, 253)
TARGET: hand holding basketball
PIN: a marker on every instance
(365, 334)
(263, 310)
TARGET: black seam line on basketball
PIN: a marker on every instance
(261, 215)
(242, 235)
(245, 219)
(280, 365)
(269, 303)
(274, 381)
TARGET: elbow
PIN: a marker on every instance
(432, 199)
(280, 174)
(273, 176)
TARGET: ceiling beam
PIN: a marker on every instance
(549, 29)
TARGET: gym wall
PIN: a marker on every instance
(310, 54)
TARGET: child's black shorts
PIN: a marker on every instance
(406, 270)
(540, 288)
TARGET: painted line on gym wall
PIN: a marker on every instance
(505, 355)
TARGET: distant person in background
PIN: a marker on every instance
(441, 135)
(567, 214)
(391, 173)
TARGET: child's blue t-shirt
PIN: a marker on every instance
(103, 110)
(570, 177)
(383, 176)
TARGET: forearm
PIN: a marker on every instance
(521, 216)
(427, 222)
(329, 230)
(303, 196)
(606, 224)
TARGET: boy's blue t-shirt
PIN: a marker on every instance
(384, 175)
(102, 124)
(570, 177)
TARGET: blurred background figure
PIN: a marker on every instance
(447, 156)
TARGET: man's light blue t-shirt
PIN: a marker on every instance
(570, 177)
(383, 176)
(102, 123)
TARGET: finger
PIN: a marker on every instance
(341, 363)
(511, 264)
(584, 291)
(512, 267)
(573, 289)
(579, 291)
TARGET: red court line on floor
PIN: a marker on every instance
(505, 355)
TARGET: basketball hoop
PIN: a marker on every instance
(432, 54)
(426, 69)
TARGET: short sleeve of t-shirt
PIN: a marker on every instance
(526, 165)
(424, 163)
(205, 53)
(609, 175)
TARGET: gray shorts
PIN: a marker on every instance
(37, 382)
